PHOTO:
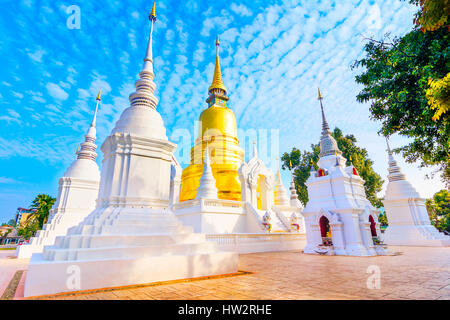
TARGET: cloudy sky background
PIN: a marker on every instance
(274, 55)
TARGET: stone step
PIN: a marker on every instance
(128, 252)
(106, 241)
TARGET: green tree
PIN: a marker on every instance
(302, 162)
(397, 74)
(439, 209)
(382, 219)
(36, 220)
(4, 235)
(433, 14)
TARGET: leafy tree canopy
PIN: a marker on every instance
(396, 77)
(301, 164)
(439, 209)
(36, 220)
(433, 14)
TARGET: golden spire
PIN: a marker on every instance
(319, 94)
(99, 96)
(290, 164)
(152, 15)
(217, 82)
(76, 152)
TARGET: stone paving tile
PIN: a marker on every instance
(416, 273)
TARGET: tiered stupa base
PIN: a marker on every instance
(422, 236)
(57, 226)
(125, 246)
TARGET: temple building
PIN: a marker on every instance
(131, 237)
(339, 219)
(235, 203)
(406, 212)
(77, 193)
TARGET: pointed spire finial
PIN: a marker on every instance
(325, 127)
(388, 147)
(152, 16)
(290, 164)
(94, 119)
(217, 82)
(88, 147)
(76, 152)
(145, 87)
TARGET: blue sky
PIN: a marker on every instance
(274, 55)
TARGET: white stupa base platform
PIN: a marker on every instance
(361, 251)
(258, 242)
(124, 246)
(421, 236)
(49, 278)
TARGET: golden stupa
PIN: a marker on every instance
(217, 127)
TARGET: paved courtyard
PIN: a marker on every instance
(413, 273)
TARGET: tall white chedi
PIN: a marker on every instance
(132, 237)
(338, 217)
(77, 192)
(406, 212)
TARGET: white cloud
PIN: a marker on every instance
(217, 23)
(241, 10)
(56, 92)
(37, 55)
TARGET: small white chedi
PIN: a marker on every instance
(77, 192)
(131, 237)
(406, 212)
(339, 219)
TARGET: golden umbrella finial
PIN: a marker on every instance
(152, 15)
(350, 158)
(319, 94)
(99, 96)
(217, 82)
(290, 164)
(76, 152)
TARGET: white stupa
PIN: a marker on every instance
(406, 212)
(281, 195)
(339, 219)
(207, 188)
(294, 201)
(131, 237)
(78, 190)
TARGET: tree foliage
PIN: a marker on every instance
(36, 220)
(302, 161)
(439, 209)
(396, 77)
(433, 14)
